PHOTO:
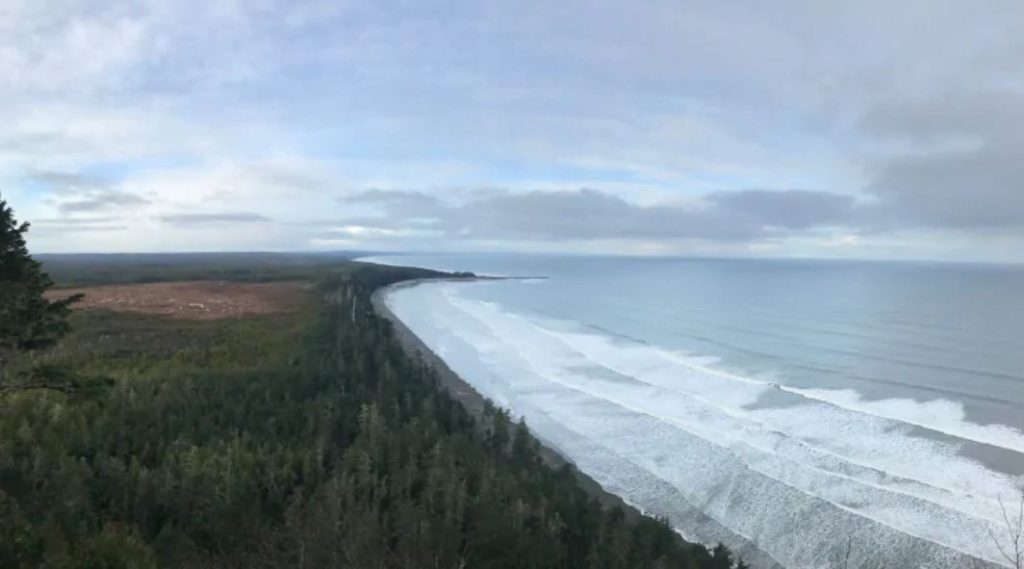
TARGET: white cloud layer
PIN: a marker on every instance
(864, 128)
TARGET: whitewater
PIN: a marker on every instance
(806, 471)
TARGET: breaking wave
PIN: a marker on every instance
(798, 473)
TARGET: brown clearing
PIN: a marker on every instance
(193, 300)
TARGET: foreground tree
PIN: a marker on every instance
(28, 320)
(1009, 536)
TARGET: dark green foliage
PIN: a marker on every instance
(93, 269)
(28, 321)
(276, 442)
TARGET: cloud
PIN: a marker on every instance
(94, 200)
(274, 107)
(394, 198)
(204, 219)
(63, 180)
(413, 208)
(789, 209)
(961, 167)
(588, 214)
(70, 225)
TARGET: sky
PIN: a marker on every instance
(847, 129)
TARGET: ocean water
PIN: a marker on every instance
(803, 408)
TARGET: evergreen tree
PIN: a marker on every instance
(327, 446)
(28, 320)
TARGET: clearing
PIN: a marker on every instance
(193, 300)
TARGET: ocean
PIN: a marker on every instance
(825, 413)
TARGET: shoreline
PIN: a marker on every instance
(472, 400)
(463, 392)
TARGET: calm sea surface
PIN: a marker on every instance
(799, 406)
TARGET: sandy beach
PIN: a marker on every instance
(470, 398)
(473, 401)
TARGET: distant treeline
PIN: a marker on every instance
(93, 269)
(289, 441)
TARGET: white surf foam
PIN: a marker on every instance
(748, 467)
(940, 415)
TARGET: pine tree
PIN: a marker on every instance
(28, 320)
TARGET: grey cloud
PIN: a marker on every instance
(392, 197)
(94, 200)
(193, 219)
(73, 220)
(590, 214)
(974, 182)
(75, 192)
(282, 177)
(988, 114)
(403, 203)
(659, 94)
(978, 189)
(789, 209)
(76, 224)
(64, 180)
(584, 214)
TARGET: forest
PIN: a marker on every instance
(305, 438)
